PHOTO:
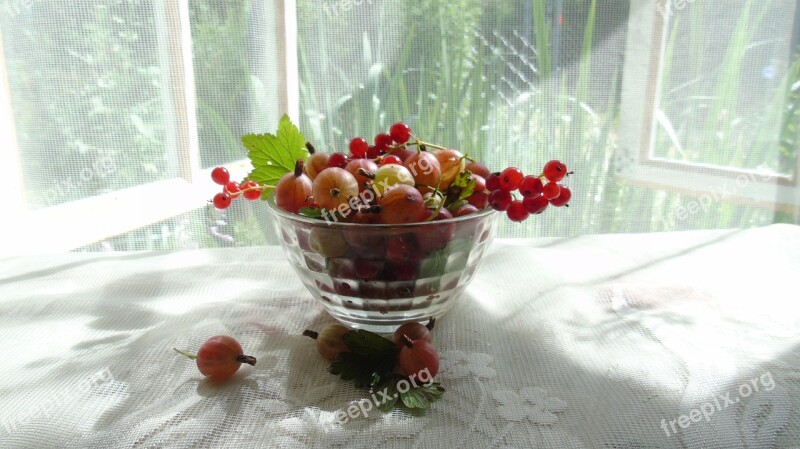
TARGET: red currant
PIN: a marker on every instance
(400, 132)
(391, 159)
(510, 179)
(516, 211)
(531, 186)
(493, 182)
(232, 188)
(250, 190)
(337, 160)
(220, 175)
(554, 171)
(222, 200)
(563, 198)
(551, 190)
(383, 141)
(535, 205)
(359, 147)
(500, 200)
(373, 152)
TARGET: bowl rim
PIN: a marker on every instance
(486, 212)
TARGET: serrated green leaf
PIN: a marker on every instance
(353, 367)
(273, 156)
(414, 399)
(371, 357)
(422, 397)
(389, 387)
(369, 344)
(267, 174)
(460, 189)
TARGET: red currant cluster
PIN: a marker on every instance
(535, 194)
(401, 179)
(232, 190)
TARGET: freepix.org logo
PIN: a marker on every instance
(668, 7)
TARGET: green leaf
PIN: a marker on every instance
(460, 189)
(422, 397)
(353, 367)
(311, 212)
(389, 387)
(369, 344)
(433, 265)
(372, 357)
(273, 156)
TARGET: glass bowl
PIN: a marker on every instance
(377, 277)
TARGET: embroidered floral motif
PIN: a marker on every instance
(530, 404)
(458, 364)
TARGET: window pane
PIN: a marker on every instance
(519, 83)
(87, 95)
(723, 99)
(237, 78)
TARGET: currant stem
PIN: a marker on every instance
(407, 341)
(311, 334)
(259, 188)
(191, 356)
(250, 360)
(422, 144)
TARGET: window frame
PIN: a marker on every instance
(71, 225)
(646, 44)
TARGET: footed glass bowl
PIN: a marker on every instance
(377, 277)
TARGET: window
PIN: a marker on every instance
(671, 112)
(718, 118)
(114, 111)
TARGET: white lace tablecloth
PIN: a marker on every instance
(677, 340)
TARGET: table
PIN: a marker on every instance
(672, 340)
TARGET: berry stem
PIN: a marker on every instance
(407, 341)
(310, 148)
(250, 360)
(422, 144)
(298, 168)
(191, 356)
(431, 323)
(311, 334)
(365, 173)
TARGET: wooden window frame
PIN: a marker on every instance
(71, 225)
(646, 43)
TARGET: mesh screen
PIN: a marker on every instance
(656, 106)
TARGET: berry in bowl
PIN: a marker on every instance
(387, 233)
